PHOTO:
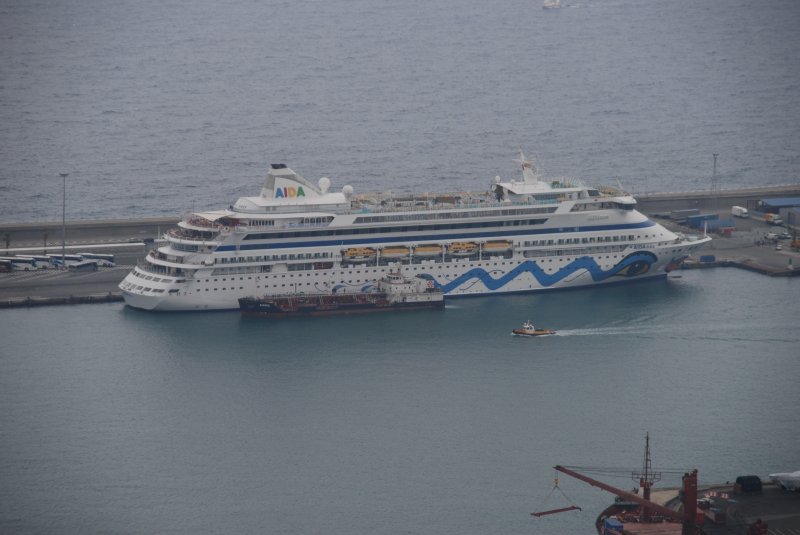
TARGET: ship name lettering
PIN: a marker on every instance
(290, 191)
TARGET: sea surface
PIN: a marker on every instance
(115, 420)
(155, 107)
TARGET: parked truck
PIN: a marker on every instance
(739, 211)
(773, 219)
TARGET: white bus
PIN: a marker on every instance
(42, 261)
(69, 260)
(103, 260)
(20, 263)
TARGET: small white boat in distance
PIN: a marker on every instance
(551, 4)
(529, 330)
(787, 480)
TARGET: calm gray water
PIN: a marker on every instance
(155, 106)
(118, 421)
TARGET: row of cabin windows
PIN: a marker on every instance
(452, 215)
(350, 281)
(271, 258)
(375, 271)
(387, 230)
(589, 239)
(532, 243)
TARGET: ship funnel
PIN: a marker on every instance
(283, 183)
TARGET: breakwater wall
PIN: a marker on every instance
(16, 302)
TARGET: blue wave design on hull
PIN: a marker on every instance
(630, 266)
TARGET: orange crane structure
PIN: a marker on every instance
(688, 494)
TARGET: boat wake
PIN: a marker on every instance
(606, 331)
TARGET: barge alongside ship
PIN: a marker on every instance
(520, 236)
(393, 292)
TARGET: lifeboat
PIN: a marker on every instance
(496, 246)
(529, 330)
(428, 250)
(359, 254)
(463, 248)
(395, 252)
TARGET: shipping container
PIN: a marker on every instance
(681, 215)
(711, 224)
(748, 484)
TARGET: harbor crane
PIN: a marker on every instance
(648, 511)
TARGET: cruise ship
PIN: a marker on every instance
(522, 235)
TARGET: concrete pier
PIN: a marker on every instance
(129, 240)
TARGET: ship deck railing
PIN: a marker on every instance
(423, 206)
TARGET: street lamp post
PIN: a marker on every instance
(63, 218)
(714, 185)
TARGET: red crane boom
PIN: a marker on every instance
(554, 511)
(688, 492)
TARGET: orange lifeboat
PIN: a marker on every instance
(428, 250)
(462, 248)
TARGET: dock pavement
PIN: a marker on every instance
(129, 239)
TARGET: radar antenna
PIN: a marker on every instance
(619, 186)
(531, 171)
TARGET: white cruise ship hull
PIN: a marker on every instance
(295, 237)
(460, 277)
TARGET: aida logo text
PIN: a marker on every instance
(290, 191)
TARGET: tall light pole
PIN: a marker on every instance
(63, 218)
(714, 185)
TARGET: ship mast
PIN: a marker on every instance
(688, 495)
(646, 477)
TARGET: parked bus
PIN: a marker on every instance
(20, 263)
(69, 259)
(103, 260)
(42, 261)
(86, 265)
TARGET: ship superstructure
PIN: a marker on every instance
(299, 237)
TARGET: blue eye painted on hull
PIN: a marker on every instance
(632, 265)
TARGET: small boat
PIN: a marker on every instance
(529, 330)
(464, 248)
(496, 247)
(551, 4)
(427, 250)
(395, 252)
(359, 254)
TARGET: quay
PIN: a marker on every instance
(746, 247)
(724, 509)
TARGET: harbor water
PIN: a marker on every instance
(113, 420)
(154, 107)
(116, 420)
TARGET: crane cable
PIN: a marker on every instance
(571, 507)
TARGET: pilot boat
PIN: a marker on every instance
(529, 330)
